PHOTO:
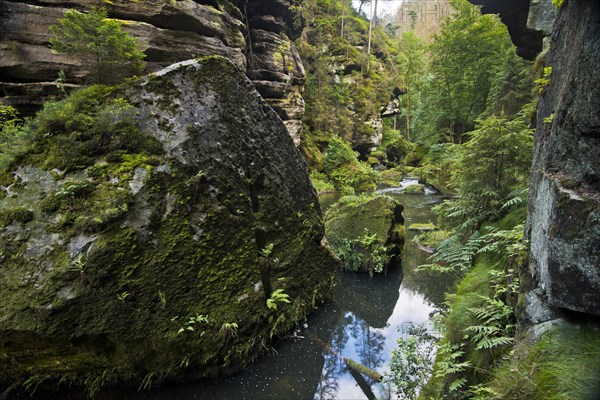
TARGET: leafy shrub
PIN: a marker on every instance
(412, 361)
(345, 171)
(362, 254)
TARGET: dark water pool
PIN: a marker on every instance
(362, 322)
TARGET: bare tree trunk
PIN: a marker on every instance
(371, 21)
(342, 30)
(407, 114)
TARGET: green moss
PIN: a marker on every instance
(391, 177)
(414, 189)
(359, 228)
(431, 239)
(18, 214)
(422, 227)
(175, 249)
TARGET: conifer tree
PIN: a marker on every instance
(98, 43)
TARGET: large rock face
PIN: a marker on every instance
(274, 64)
(168, 32)
(147, 239)
(564, 208)
(563, 222)
(514, 14)
(366, 234)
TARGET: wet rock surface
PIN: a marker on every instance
(107, 293)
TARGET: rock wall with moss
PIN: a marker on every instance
(564, 209)
(256, 34)
(145, 228)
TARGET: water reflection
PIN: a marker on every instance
(362, 323)
(372, 299)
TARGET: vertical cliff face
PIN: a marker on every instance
(564, 207)
(274, 64)
(563, 223)
(257, 36)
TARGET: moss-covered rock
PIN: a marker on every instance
(148, 257)
(391, 177)
(422, 227)
(417, 188)
(366, 233)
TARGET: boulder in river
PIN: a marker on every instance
(417, 188)
(366, 233)
(144, 230)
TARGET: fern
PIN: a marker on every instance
(277, 297)
(453, 256)
(494, 329)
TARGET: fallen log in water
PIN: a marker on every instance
(353, 365)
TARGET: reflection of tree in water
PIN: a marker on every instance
(369, 346)
(334, 365)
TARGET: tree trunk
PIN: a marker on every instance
(407, 114)
(342, 30)
(373, 14)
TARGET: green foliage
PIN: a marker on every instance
(70, 134)
(344, 88)
(345, 171)
(321, 182)
(277, 296)
(411, 364)
(393, 143)
(545, 80)
(338, 154)
(362, 254)
(229, 329)
(196, 323)
(479, 326)
(432, 238)
(14, 135)
(490, 167)
(474, 72)
(122, 296)
(563, 364)
(454, 256)
(98, 43)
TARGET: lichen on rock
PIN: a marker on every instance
(140, 255)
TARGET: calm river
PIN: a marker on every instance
(362, 322)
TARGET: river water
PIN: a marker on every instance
(363, 322)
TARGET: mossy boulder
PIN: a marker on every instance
(422, 227)
(417, 188)
(153, 255)
(366, 233)
(391, 177)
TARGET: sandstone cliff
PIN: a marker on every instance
(563, 223)
(144, 229)
(564, 203)
(257, 35)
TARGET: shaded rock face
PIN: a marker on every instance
(368, 138)
(380, 216)
(514, 14)
(100, 293)
(168, 32)
(274, 64)
(564, 203)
